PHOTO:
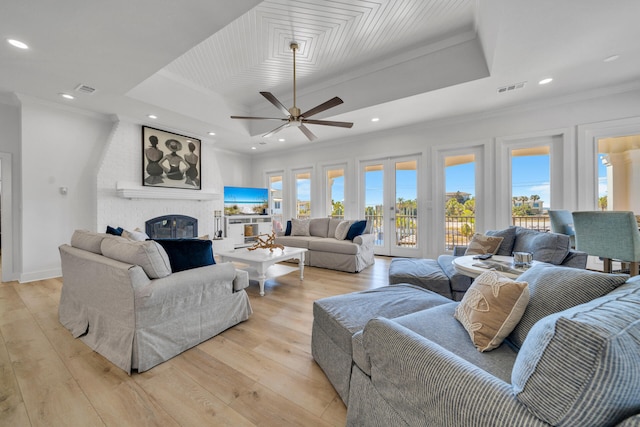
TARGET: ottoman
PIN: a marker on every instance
(336, 319)
(436, 275)
(425, 273)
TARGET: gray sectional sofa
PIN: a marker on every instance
(440, 275)
(121, 298)
(397, 356)
(325, 251)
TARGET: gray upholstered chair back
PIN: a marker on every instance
(609, 235)
(562, 222)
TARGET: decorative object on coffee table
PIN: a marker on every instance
(266, 241)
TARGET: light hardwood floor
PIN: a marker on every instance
(259, 372)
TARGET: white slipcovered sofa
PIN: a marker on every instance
(326, 251)
(121, 298)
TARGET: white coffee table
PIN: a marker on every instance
(262, 259)
(473, 267)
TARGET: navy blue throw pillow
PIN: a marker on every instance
(115, 231)
(185, 254)
(287, 231)
(356, 229)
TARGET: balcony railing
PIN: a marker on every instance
(460, 229)
(538, 223)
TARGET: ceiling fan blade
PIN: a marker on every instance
(258, 118)
(276, 130)
(328, 123)
(324, 106)
(307, 132)
(272, 99)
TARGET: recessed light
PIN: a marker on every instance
(67, 96)
(611, 58)
(152, 116)
(282, 140)
(253, 148)
(545, 81)
(212, 133)
(375, 119)
(18, 44)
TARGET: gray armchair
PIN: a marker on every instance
(562, 222)
(611, 235)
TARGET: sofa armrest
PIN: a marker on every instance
(364, 240)
(575, 259)
(429, 385)
(459, 250)
(241, 281)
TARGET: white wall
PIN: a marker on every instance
(235, 168)
(557, 118)
(60, 148)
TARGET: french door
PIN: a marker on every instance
(390, 202)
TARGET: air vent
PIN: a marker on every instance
(509, 88)
(85, 89)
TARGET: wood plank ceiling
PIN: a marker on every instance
(335, 37)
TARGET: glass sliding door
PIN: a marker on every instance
(373, 201)
(334, 187)
(303, 194)
(390, 195)
(460, 199)
(275, 199)
(406, 204)
(531, 187)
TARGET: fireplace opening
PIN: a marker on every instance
(172, 227)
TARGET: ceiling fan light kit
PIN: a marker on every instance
(295, 116)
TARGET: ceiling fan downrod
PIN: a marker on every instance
(294, 111)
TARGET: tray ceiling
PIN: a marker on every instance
(252, 53)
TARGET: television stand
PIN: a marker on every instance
(242, 230)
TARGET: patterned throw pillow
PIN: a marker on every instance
(342, 229)
(491, 308)
(300, 227)
(481, 244)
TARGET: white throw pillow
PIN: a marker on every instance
(135, 235)
(491, 309)
(300, 227)
(342, 229)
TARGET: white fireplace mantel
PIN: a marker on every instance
(129, 190)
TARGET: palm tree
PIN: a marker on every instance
(602, 203)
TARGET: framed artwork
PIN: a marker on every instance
(170, 160)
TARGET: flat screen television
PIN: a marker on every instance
(245, 200)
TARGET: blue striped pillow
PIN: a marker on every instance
(582, 366)
(554, 288)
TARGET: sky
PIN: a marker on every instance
(530, 175)
(602, 177)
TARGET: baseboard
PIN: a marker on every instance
(40, 275)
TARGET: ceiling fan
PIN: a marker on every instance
(295, 117)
